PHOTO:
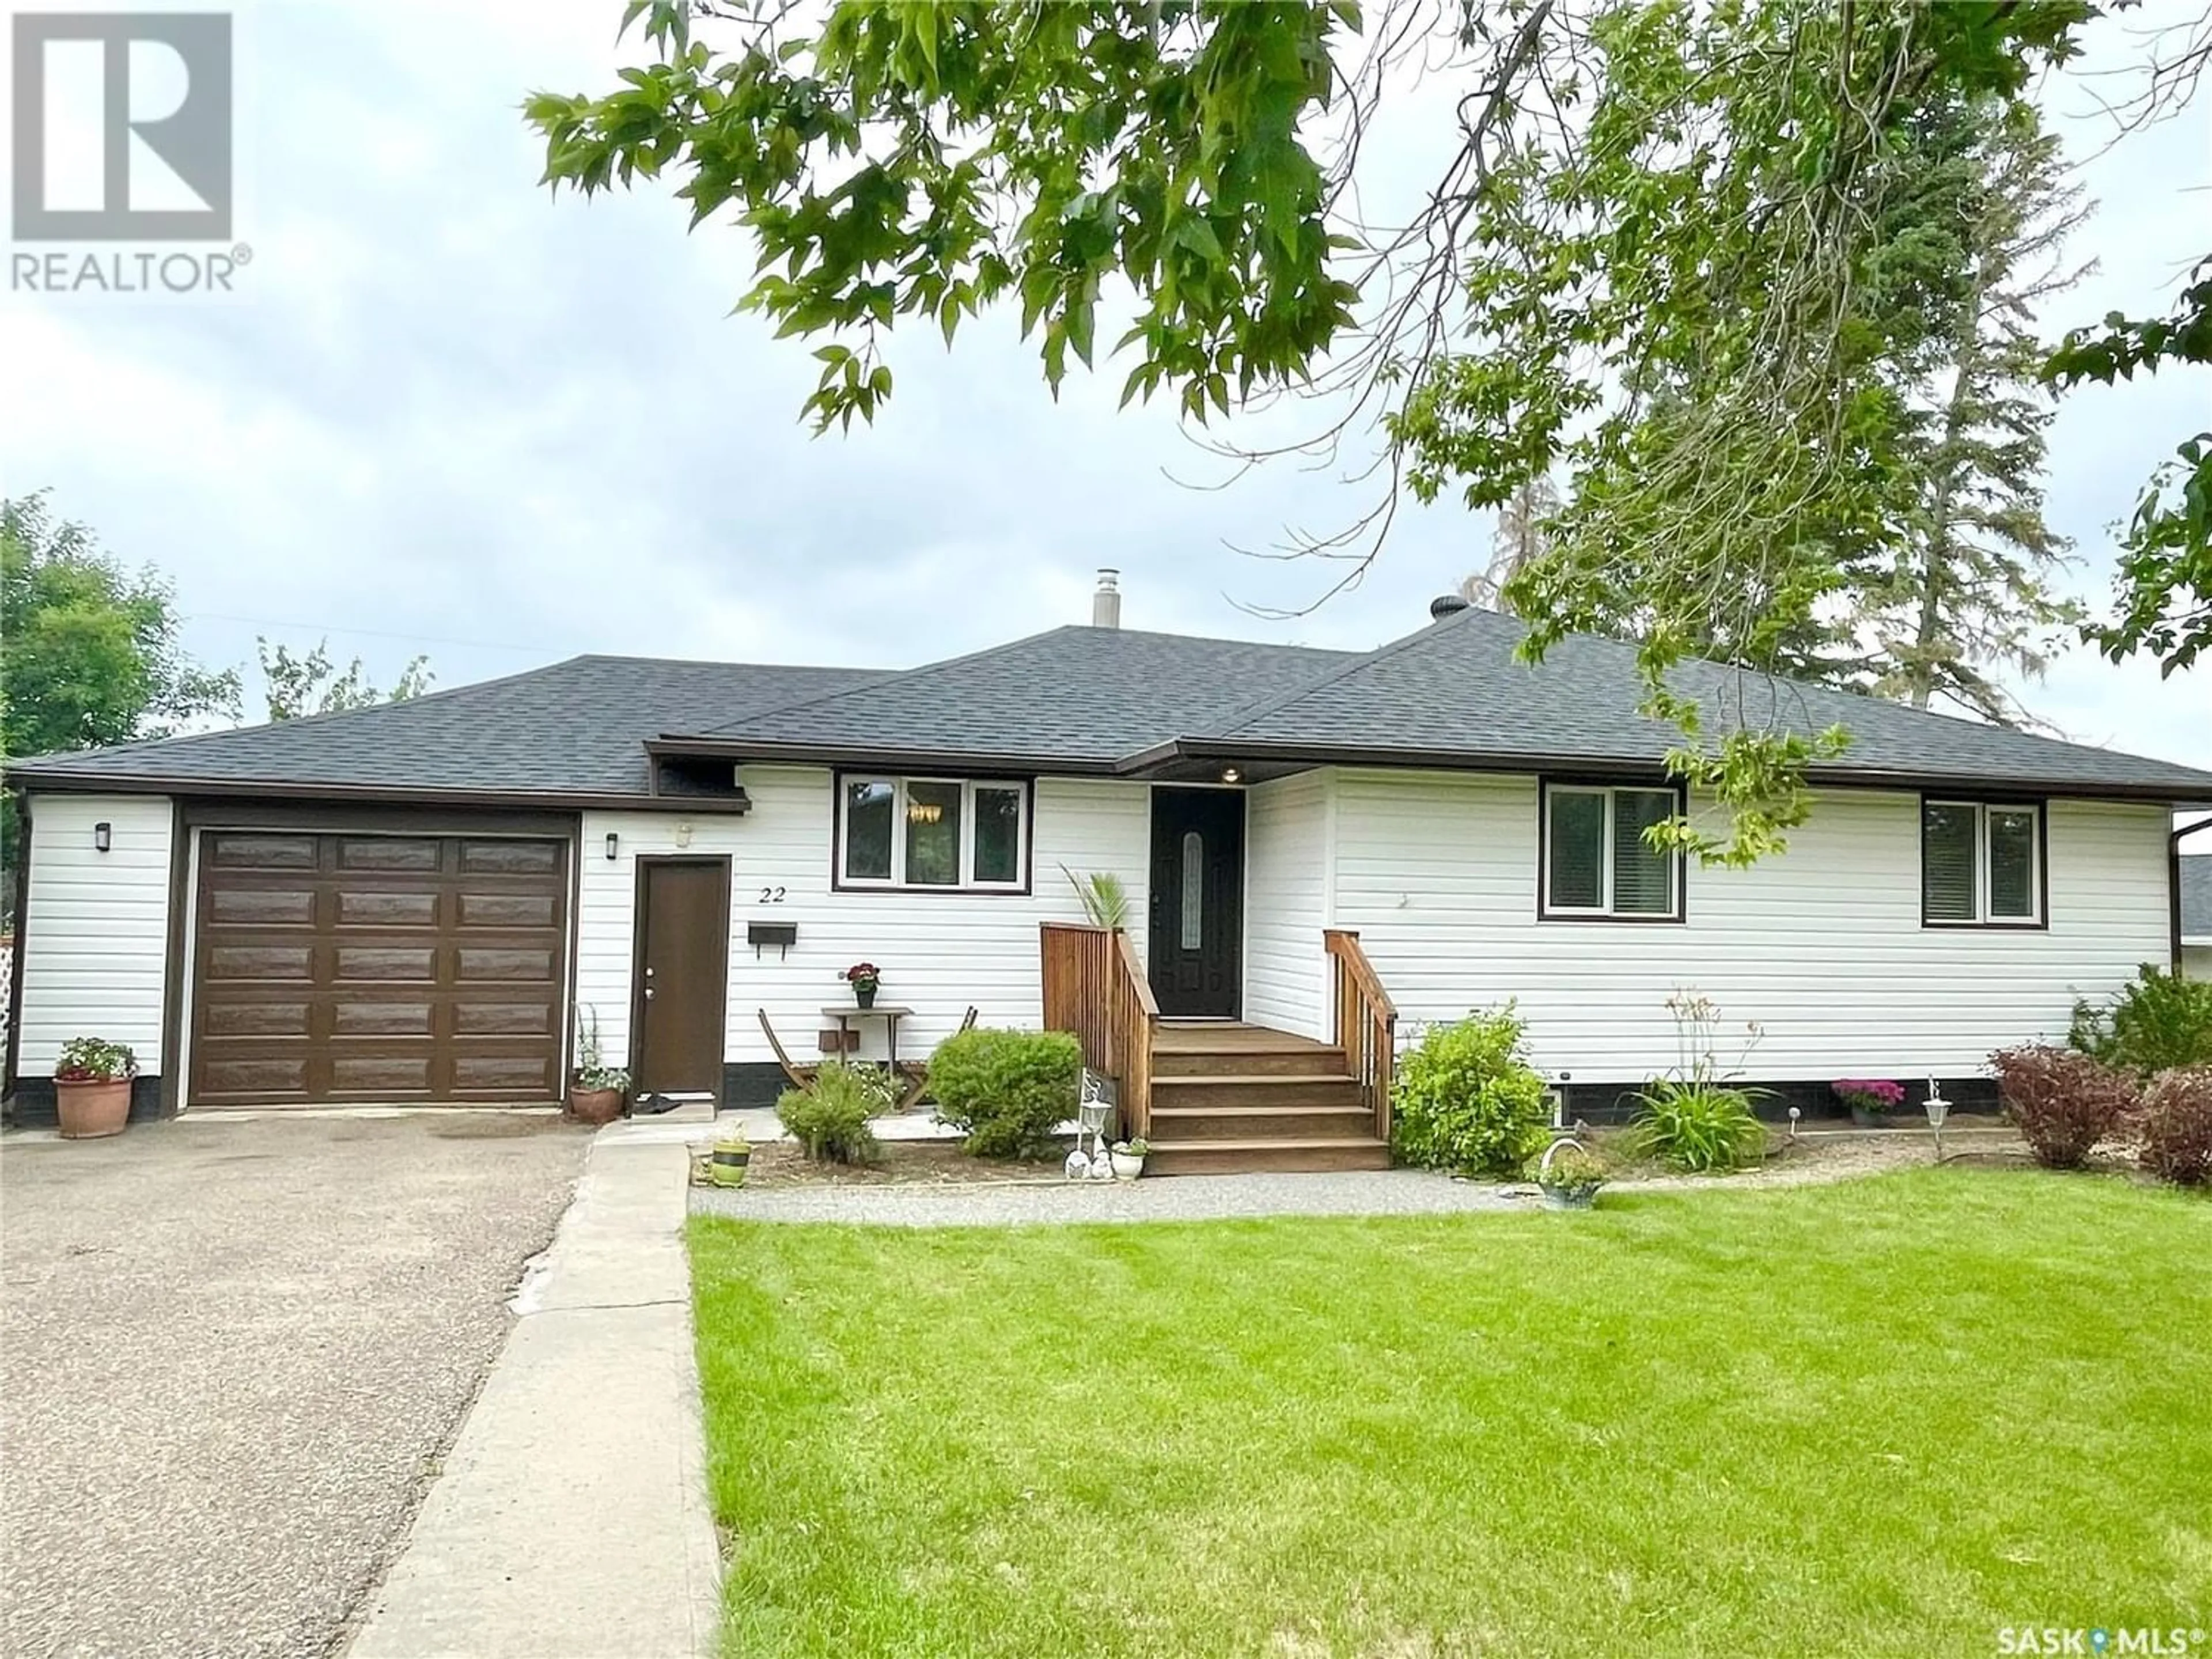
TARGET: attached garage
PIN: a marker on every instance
(333, 967)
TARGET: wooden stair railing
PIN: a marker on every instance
(1094, 987)
(1366, 1022)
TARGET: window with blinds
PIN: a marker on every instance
(1598, 860)
(1981, 864)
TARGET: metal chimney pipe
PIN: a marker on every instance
(1106, 602)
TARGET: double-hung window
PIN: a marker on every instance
(932, 833)
(1596, 861)
(1981, 864)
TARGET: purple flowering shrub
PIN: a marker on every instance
(1868, 1094)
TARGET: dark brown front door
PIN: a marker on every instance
(338, 968)
(683, 974)
(1198, 902)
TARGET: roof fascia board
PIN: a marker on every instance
(373, 795)
(1474, 760)
(873, 754)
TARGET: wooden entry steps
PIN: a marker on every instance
(1228, 1097)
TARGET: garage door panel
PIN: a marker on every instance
(476, 966)
(256, 1020)
(505, 1019)
(349, 1018)
(415, 963)
(489, 1073)
(287, 962)
(356, 967)
(370, 908)
(390, 852)
(263, 907)
(511, 858)
(371, 1077)
(229, 850)
(536, 910)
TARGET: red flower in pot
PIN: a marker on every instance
(864, 977)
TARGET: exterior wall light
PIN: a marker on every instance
(614, 841)
(1230, 774)
(103, 837)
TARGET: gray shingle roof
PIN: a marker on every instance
(1074, 694)
(1096, 699)
(2196, 896)
(577, 726)
(1456, 687)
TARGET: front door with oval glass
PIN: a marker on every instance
(1197, 941)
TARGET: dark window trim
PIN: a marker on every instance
(2041, 924)
(955, 889)
(1545, 783)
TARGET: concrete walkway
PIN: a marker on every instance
(572, 1517)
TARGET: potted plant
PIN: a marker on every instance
(1569, 1175)
(92, 1087)
(864, 977)
(732, 1156)
(597, 1093)
(1871, 1099)
(1128, 1158)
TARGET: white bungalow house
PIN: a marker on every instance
(1322, 850)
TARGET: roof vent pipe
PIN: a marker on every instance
(1446, 604)
(1106, 602)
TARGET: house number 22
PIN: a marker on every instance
(771, 895)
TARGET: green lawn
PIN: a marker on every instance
(1892, 1415)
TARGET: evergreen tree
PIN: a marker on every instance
(1969, 590)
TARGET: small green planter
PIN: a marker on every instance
(726, 1165)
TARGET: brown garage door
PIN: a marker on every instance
(377, 968)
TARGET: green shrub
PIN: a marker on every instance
(2177, 1125)
(1699, 1125)
(831, 1121)
(1006, 1090)
(1467, 1100)
(2159, 1022)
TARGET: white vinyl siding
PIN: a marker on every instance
(1286, 827)
(2197, 962)
(96, 927)
(939, 950)
(1823, 945)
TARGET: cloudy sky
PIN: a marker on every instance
(447, 413)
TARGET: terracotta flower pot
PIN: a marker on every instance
(90, 1110)
(595, 1106)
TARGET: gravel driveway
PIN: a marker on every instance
(230, 1354)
